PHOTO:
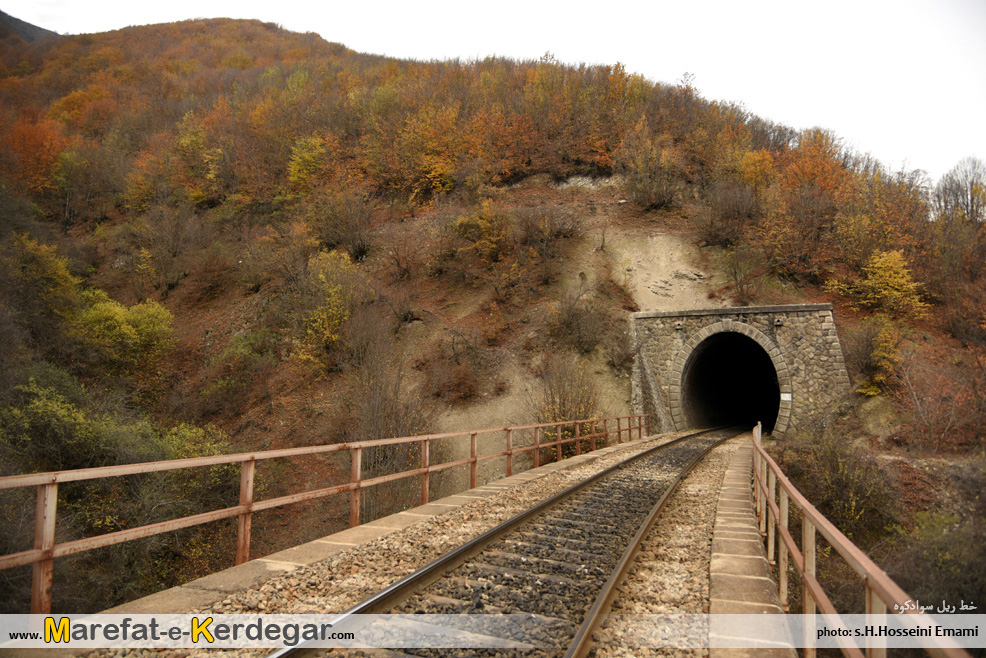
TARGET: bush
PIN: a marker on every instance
(541, 227)
(379, 405)
(124, 340)
(580, 320)
(872, 352)
(40, 293)
(941, 558)
(747, 272)
(886, 286)
(565, 391)
(488, 232)
(48, 427)
(651, 169)
(732, 204)
(329, 294)
(940, 401)
(620, 349)
(342, 219)
(843, 482)
(247, 361)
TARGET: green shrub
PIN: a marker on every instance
(941, 558)
(844, 483)
(248, 360)
(124, 340)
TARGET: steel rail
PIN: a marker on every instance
(404, 588)
(582, 642)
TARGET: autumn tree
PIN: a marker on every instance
(886, 286)
(39, 291)
(813, 186)
(960, 195)
(34, 147)
(650, 166)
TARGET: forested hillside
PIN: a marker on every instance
(220, 235)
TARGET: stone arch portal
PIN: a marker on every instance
(730, 373)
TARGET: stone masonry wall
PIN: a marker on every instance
(800, 339)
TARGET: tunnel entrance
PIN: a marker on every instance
(729, 379)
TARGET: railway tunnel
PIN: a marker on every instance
(737, 365)
(729, 379)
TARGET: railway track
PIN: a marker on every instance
(548, 575)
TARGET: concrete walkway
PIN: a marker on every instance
(740, 578)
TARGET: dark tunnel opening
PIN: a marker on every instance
(730, 380)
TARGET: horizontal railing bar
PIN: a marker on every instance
(79, 545)
(872, 575)
(271, 503)
(861, 563)
(32, 556)
(77, 475)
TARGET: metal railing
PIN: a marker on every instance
(45, 550)
(773, 496)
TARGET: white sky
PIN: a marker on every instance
(904, 80)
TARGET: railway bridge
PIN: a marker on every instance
(684, 374)
(721, 547)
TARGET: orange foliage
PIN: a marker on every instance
(35, 147)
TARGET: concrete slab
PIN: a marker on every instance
(174, 601)
(737, 547)
(752, 653)
(743, 588)
(455, 501)
(310, 553)
(739, 565)
(397, 521)
(241, 577)
(431, 509)
(740, 576)
(737, 533)
(361, 534)
(724, 607)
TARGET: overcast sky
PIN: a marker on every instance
(904, 80)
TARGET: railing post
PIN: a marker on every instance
(426, 476)
(510, 452)
(782, 549)
(771, 521)
(808, 548)
(245, 519)
(578, 443)
(537, 446)
(472, 461)
(557, 443)
(354, 494)
(756, 474)
(619, 431)
(44, 539)
(640, 427)
(876, 647)
(606, 432)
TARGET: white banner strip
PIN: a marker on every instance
(516, 631)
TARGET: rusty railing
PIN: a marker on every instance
(45, 550)
(773, 495)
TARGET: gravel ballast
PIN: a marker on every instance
(671, 574)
